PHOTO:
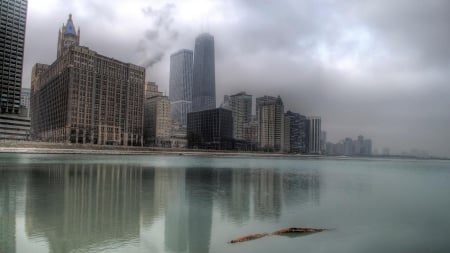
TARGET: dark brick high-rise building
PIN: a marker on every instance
(210, 129)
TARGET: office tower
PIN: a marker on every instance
(13, 15)
(323, 142)
(85, 97)
(204, 84)
(287, 134)
(180, 85)
(240, 105)
(25, 97)
(297, 128)
(313, 134)
(367, 150)
(251, 133)
(210, 129)
(270, 118)
(151, 90)
(157, 122)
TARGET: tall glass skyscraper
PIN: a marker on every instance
(13, 15)
(204, 85)
(180, 85)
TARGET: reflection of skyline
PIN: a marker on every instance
(76, 205)
(269, 189)
(233, 187)
(199, 191)
(267, 193)
(301, 188)
(9, 186)
(92, 206)
(176, 220)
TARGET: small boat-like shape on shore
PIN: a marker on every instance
(292, 232)
(248, 237)
(297, 230)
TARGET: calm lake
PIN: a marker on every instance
(143, 203)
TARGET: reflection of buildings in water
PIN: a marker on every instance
(267, 188)
(301, 188)
(176, 219)
(80, 205)
(10, 185)
(234, 193)
(199, 191)
(148, 209)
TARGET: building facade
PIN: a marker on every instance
(313, 134)
(157, 121)
(240, 105)
(204, 82)
(270, 118)
(180, 85)
(297, 128)
(13, 15)
(88, 98)
(210, 129)
(14, 127)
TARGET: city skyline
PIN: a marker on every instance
(363, 78)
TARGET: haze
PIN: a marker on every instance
(376, 68)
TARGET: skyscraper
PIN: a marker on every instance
(210, 129)
(240, 105)
(313, 134)
(13, 15)
(180, 85)
(204, 85)
(270, 118)
(157, 120)
(297, 128)
(85, 97)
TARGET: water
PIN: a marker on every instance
(95, 203)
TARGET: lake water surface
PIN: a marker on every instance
(106, 203)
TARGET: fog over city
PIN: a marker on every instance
(377, 68)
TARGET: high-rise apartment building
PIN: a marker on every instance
(13, 15)
(204, 84)
(240, 105)
(210, 129)
(297, 129)
(270, 118)
(85, 97)
(313, 134)
(180, 85)
(157, 121)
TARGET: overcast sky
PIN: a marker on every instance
(377, 68)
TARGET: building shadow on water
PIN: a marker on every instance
(81, 206)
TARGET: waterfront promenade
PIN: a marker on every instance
(58, 148)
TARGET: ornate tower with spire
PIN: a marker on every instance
(67, 37)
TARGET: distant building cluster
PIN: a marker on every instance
(87, 98)
(349, 147)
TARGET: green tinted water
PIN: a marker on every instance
(87, 203)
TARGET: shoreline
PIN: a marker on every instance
(58, 148)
